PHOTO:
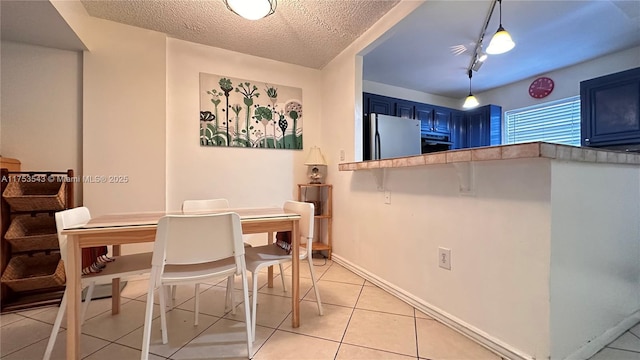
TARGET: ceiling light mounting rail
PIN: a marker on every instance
(477, 51)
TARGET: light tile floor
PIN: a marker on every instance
(360, 321)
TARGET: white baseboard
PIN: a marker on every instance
(495, 345)
(595, 345)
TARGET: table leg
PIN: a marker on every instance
(74, 291)
(270, 268)
(115, 287)
(115, 296)
(295, 275)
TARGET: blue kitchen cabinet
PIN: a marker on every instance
(478, 128)
(442, 120)
(459, 130)
(610, 110)
(434, 119)
(483, 126)
(405, 109)
(424, 113)
(378, 104)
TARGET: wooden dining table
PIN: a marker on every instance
(130, 228)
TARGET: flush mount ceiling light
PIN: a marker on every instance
(252, 9)
(501, 41)
(470, 101)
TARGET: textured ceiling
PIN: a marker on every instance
(414, 54)
(303, 32)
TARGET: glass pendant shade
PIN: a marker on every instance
(470, 102)
(252, 9)
(501, 42)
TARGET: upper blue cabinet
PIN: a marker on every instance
(442, 128)
(610, 107)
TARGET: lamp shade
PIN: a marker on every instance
(252, 9)
(501, 42)
(470, 102)
(315, 157)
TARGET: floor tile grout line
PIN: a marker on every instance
(632, 333)
(621, 349)
(36, 341)
(388, 313)
(100, 349)
(158, 316)
(200, 333)
(353, 309)
(415, 328)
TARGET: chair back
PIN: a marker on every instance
(67, 219)
(204, 205)
(186, 239)
(305, 225)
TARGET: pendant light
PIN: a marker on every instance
(501, 42)
(470, 101)
(252, 9)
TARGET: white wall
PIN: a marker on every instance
(566, 80)
(41, 96)
(595, 252)
(124, 112)
(247, 177)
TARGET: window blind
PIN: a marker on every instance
(556, 122)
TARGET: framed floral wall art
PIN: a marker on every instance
(245, 113)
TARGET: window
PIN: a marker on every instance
(556, 122)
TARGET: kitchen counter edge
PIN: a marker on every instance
(502, 152)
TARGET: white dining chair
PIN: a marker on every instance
(184, 253)
(123, 266)
(200, 206)
(260, 257)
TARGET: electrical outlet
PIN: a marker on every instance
(342, 155)
(387, 197)
(444, 258)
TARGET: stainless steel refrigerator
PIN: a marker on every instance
(393, 136)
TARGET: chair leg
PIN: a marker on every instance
(163, 315)
(315, 285)
(197, 306)
(173, 292)
(230, 297)
(56, 327)
(171, 303)
(148, 317)
(284, 286)
(87, 300)
(254, 303)
(251, 334)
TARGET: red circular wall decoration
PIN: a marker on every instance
(541, 87)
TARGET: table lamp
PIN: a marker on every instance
(315, 160)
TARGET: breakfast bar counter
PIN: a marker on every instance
(538, 237)
(501, 152)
